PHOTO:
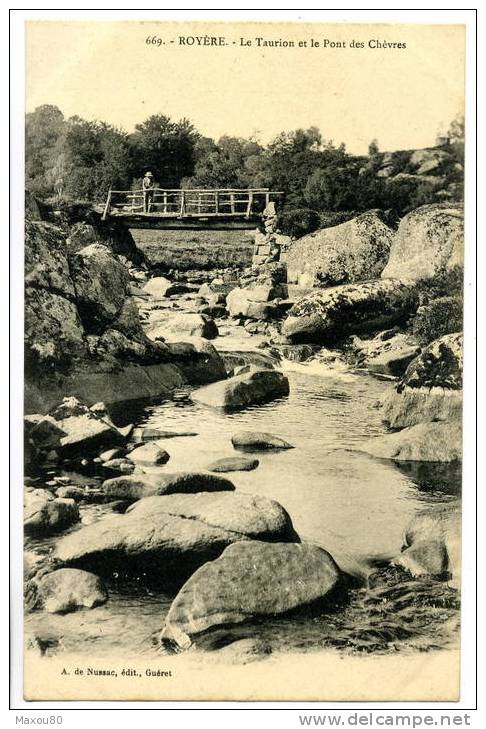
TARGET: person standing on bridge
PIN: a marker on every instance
(148, 191)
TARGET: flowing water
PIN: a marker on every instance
(352, 504)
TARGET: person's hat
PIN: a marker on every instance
(148, 174)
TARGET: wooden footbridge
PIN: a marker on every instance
(219, 209)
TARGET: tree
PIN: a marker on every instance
(44, 137)
(97, 157)
(231, 162)
(373, 148)
(164, 147)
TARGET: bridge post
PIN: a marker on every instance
(232, 202)
(106, 211)
(183, 203)
(250, 204)
(165, 201)
(216, 201)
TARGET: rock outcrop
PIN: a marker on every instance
(329, 315)
(354, 251)
(435, 442)
(168, 537)
(431, 387)
(250, 580)
(429, 240)
(83, 334)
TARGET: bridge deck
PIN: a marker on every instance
(199, 209)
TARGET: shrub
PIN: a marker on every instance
(330, 218)
(298, 222)
(441, 316)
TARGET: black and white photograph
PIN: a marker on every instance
(243, 369)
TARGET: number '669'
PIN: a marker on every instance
(153, 40)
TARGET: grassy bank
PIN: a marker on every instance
(185, 250)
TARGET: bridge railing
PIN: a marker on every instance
(189, 203)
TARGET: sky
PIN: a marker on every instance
(107, 71)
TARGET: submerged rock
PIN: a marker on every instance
(66, 590)
(236, 463)
(328, 315)
(247, 389)
(143, 485)
(437, 442)
(168, 537)
(356, 250)
(429, 240)
(249, 580)
(258, 441)
(141, 435)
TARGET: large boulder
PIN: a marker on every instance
(236, 393)
(66, 590)
(328, 315)
(150, 484)
(429, 240)
(168, 537)
(44, 514)
(436, 442)
(430, 388)
(101, 283)
(250, 580)
(357, 250)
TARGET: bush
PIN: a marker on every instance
(299, 222)
(441, 316)
(443, 284)
(329, 218)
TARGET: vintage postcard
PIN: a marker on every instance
(243, 361)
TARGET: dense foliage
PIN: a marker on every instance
(79, 159)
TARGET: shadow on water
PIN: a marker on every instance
(433, 478)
